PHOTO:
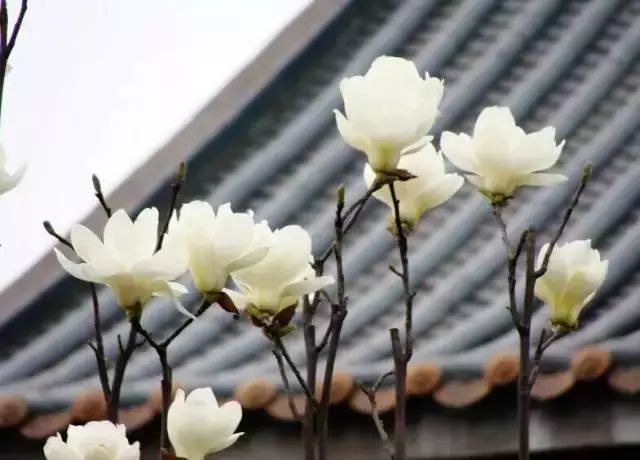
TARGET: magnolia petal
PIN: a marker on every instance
(120, 240)
(307, 286)
(56, 449)
(9, 181)
(172, 291)
(146, 232)
(537, 151)
(89, 247)
(80, 271)
(226, 443)
(132, 452)
(248, 259)
(350, 133)
(478, 181)
(440, 191)
(543, 179)
(459, 150)
(204, 396)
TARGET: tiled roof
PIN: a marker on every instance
(572, 64)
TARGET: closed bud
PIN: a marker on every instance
(197, 426)
(573, 276)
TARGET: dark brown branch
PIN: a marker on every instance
(176, 186)
(16, 29)
(404, 275)
(512, 264)
(308, 428)
(161, 349)
(586, 175)
(543, 344)
(370, 393)
(400, 374)
(51, 231)
(98, 349)
(97, 188)
(204, 305)
(121, 365)
(352, 214)
(524, 389)
(285, 380)
(279, 345)
(338, 314)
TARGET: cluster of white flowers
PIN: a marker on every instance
(270, 268)
(197, 427)
(388, 114)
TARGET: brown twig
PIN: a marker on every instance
(51, 231)
(98, 349)
(97, 187)
(370, 393)
(402, 356)
(285, 380)
(166, 384)
(312, 352)
(279, 345)
(512, 264)
(543, 344)
(176, 186)
(121, 365)
(586, 175)
(338, 314)
(400, 374)
(7, 44)
(204, 305)
(16, 28)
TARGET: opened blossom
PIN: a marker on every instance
(7, 180)
(282, 277)
(501, 157)
(388, 111)
(197, 426)
(93, 441)
(127, 260)
(574, 274)
(217, 244)
(430, 187)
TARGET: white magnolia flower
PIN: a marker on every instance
(197, 426)
(431, 186)
(218, 244)
(127, 261)
(93, 441)
(282, 277)
(9, 181)
(388, 110)
(574, 274)
(501, 156)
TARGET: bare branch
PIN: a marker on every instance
(370, 393)
(176, 186)
(97, 187)
(50, 230)
(285, 380)
(16, 29)
(586, 175)
(101, 359)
